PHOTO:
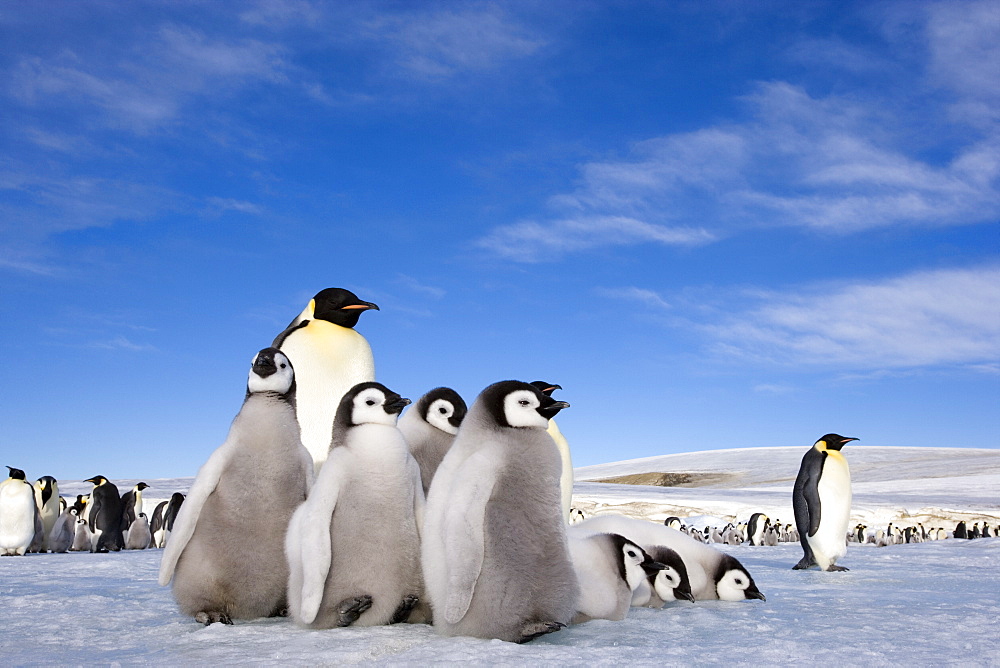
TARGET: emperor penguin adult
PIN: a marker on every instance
(18, 514)
(47, 499)
(566, 475)
(330, 358)
(712, 573)
(161, 532)
(495, 556)
(609, 568)
(132, 506)
(225, 554)
(821, 499)
(353, 547)
(755, 528)
(104, 517)
(429, 428)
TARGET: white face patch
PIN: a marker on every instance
(733, 585)
(633, 557)
(666, 581)
(279, 381)
(369, 408)
(519, 408)
(438, 415)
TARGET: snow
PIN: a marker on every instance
(929, 603)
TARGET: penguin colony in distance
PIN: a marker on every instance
(222, 568)
(821, 499)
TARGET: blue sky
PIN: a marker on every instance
(715, 224)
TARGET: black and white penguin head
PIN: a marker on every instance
(635, 564)
(339, 306)
(832, 442)
(46, 486)
(270, 371)
(546, 388)
(515, 404)
(369, 403)
(16, 474)
(671, 583)
(733, 582)
(141, 486)
(97, 480)
(443, 409)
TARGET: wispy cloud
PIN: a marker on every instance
(642, 296)
(122, 343)
(420, 287)
(219, 205)
(146, 83)
(442, 43)
(530, 241)
(944, 317)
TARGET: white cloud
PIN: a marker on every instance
(417, 286)
(535, 242)
(944, 317)
(218, 205)
(442, 43)
(641, 295)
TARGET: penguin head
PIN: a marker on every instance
(339, 306)
(46, 486)
(733, 582)
(635, 564)
(141, 486)
(98, 480)
(832, 442)
(270, 371)
(671, 583)
(369, 403)
(16, 474)
(516, 404)
(442, 408)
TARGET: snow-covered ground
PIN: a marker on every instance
(932, 603)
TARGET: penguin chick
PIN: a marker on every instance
(330, 358)
(494, 553)
(138, 534)
(225, 552)
(429, 428)
(821, 499)
(63, 531)
(18, 514)
(353, 547)
(566, 475)
(609, 568)
(713, 574)
(667, 585)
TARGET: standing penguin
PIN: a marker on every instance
(495, 555)
(131, 507)
(330, 358)
(47, 499)
(167, 515)
(18, 514)
(353, 547)
(821, 499)
(755, 528)
(63, 531)
(566, 476)
(104, 518)
(225, 553)
(430, 427)
(609, 568)
(138, 534)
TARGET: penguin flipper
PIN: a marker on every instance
(419, 499)
(187, 517)
(465, 539)
(314, 549)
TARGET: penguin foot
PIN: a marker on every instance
(535, 629)
(351, 608)
(405, 608)
(804, 562)
(835, 567)
(207, 618)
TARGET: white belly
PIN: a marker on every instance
(17, 518)
(830, 541)
(328, 361)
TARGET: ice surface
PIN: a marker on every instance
(934, 603)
